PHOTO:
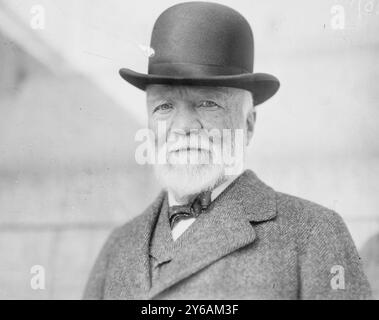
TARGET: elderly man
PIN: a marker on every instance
(216, 231)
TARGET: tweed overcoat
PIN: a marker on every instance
(253, 243)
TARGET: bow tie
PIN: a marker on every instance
(191, 210)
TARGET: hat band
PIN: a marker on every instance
(181, 69)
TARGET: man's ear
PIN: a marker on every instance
(250, 124)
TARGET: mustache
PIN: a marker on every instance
(189, 149)
(193, 143)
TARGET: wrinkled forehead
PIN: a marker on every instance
(158, 92)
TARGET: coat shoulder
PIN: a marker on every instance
(304, 218)
(136, 226)
(298, 210)
(125, 231)
(323, 243)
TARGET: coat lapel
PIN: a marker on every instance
(133, 258)
(225, 228)
(162, 244)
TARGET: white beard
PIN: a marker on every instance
(188, 179)
(189, 172)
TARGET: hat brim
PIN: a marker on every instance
(262, 85)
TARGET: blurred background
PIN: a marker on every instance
(67, 124)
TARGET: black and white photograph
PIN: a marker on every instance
(189, 150)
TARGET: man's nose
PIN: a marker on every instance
(186, 118)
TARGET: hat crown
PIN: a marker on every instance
(202, 34)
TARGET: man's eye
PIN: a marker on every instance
(209, 104)
(163, 108)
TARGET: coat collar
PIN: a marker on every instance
(223, 229)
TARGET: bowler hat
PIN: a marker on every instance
(204, 44)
